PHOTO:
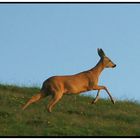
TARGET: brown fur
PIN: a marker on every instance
(57, 86)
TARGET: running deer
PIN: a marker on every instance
(57, 86)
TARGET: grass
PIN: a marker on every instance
(72, 116)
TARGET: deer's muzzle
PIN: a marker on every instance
(114, 66)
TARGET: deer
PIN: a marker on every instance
(57, 86)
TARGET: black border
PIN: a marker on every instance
(69, 3)
(70, 137)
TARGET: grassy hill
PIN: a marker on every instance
(72, 116)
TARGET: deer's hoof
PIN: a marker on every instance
(93, 102)
(113, 101)
(49, 110)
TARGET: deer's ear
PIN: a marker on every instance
(101, 52)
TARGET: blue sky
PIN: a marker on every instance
(41, 40)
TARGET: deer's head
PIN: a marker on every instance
(106, 61)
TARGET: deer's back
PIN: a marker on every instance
(67, 84)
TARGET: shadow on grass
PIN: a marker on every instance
(4, 115)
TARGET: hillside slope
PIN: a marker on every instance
(72, 116)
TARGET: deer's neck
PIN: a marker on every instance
(98, 68)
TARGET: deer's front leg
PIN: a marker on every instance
(103, 87)
(97, 98)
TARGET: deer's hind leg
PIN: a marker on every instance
(34, 99)
(55, 98)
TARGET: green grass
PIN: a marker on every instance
(72, 116)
